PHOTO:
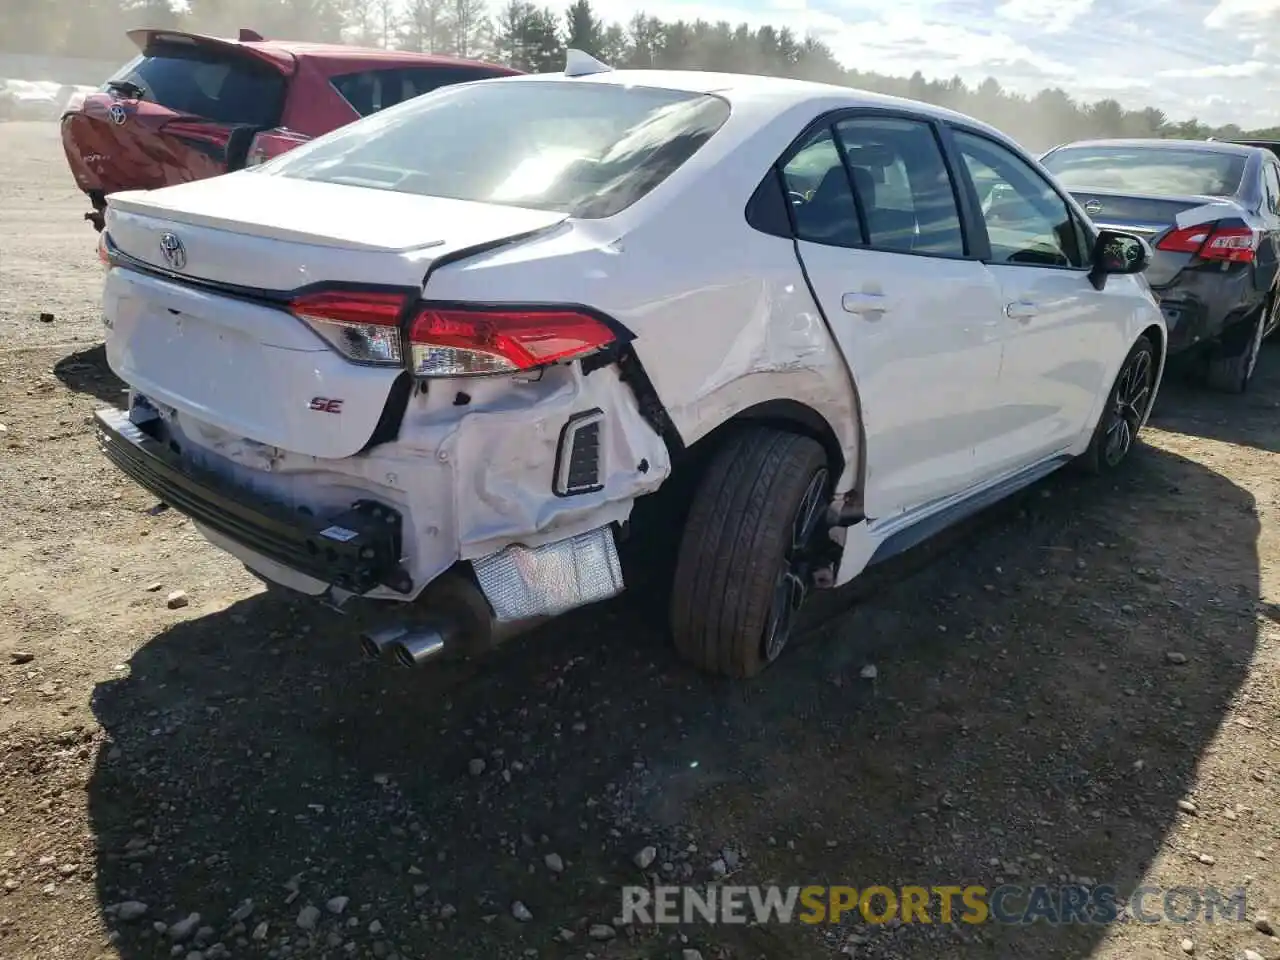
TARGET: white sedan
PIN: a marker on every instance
(457, 352)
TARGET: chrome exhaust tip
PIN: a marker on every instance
(374, 643)
(423, 644)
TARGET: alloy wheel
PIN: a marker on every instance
(1130, 401)
(795, 576)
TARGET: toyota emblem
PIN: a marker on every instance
(117, 114)
(1092, 207)
(174, 253)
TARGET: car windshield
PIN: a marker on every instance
(1148, 170)
(586, 149)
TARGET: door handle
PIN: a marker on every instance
(1020, 310)
(864, 303)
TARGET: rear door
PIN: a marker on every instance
(916, 317)
(185, 109)
(1061, 334)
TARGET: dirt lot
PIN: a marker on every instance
(1051, 684)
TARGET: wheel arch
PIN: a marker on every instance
(784, 414)
(1158, 337)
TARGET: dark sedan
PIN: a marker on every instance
(1211, 212)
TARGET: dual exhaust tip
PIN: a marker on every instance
(408, 646)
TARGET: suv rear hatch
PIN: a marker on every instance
(221, 333)
(187, 108)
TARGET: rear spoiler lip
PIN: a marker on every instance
(280, 59)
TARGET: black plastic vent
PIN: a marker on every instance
(578, 456)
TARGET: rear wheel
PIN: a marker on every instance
(749, 550)
(1125, 411)
(1233, 359)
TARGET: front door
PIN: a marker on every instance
(1060, 332)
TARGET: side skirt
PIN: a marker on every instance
(912, 533)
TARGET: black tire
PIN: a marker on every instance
(1232, 361)
(740, 575)
(1125, 411)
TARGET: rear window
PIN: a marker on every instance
(1159, 171)
(372, 90)
(207, 84)
(586, 149)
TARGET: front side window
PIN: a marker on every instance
(1027, 221)
(586, 149)
(903, 185)
(1271, 176)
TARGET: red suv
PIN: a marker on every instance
(192, 106)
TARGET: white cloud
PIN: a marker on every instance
(1142, 53)
(1045, 15)
(1250, 68)
(1231, 14)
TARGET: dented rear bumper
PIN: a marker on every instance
(356, 550)
(524, 483)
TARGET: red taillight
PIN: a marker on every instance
(103, 253)
(449, 341)
(1232, 244)
(363, 325)
(454, 342)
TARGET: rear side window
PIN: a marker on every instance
(207, 84)
(821, 200)
(903, 185)
(369, 91)
(587, 149)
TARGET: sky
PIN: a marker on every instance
(1216, 60)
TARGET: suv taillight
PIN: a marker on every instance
(454, 340)
(1232, 244)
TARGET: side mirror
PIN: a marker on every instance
(1118, 253)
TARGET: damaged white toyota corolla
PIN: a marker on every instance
(454, 352)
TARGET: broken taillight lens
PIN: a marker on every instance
(461, 341)
(362, 325)
(1232, 244)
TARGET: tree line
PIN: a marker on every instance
(533, 37)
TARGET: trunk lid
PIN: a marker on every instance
(207, 333)
(185, 109)
(1152, 216)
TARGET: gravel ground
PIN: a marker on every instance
(1083, 683)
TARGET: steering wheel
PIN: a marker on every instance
(797, 197)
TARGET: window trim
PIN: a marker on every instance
(1077, 216)
(973, 233)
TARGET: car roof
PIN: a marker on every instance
(1150, 143)
(778, 92)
